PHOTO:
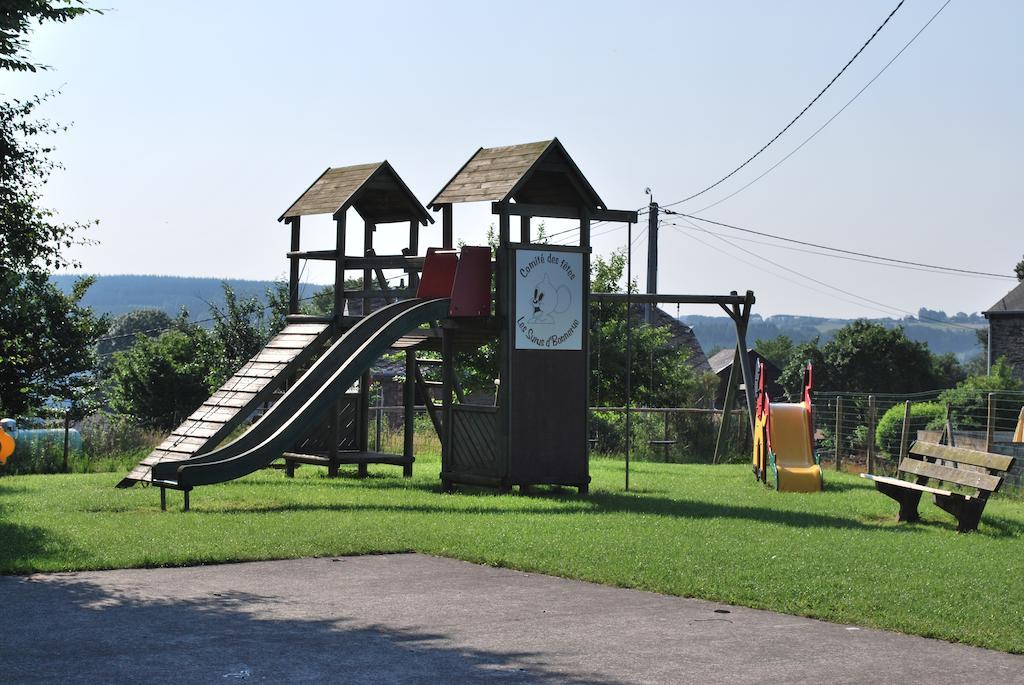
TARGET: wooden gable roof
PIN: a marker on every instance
(375, 190)
(541, 172)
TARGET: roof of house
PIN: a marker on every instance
(722, 360)
(681, 336)
(1011, 302)
(541, 173)
(375, 191)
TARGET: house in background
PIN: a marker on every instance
(721, 365)
(1006, 330)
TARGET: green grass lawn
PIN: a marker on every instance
(691, 530)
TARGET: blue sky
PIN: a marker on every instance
(197, 123)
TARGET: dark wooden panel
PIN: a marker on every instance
(475, 446)
(548, 407)
(999, 462)
(973, 479)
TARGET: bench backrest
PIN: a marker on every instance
(984, 480)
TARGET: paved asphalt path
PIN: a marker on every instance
(409, 618)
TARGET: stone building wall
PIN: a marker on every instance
(1006, 339)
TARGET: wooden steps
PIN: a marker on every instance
(237, 398)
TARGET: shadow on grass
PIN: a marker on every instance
(110, 635)
(597, 503)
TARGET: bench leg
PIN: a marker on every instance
(361, 471)
(407, 470)
(907, 498)
(186, 490)
(163, 499)
(967, 512)
(332, 470)
(289, 468)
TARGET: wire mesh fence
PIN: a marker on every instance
(872, 432)
(856, 431)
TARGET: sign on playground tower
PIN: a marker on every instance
(549, 300)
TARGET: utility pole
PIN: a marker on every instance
(652, 255)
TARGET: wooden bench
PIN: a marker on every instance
(981, 471)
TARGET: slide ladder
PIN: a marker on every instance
(784, 440)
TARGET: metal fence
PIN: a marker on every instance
(865, 431)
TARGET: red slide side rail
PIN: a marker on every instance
(438, 275)
(471, 293)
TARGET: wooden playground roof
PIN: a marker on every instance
(375, 190)
(534, 173)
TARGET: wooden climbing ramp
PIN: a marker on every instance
(237, 398)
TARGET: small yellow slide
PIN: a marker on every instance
(783, 443)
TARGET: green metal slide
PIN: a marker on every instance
(307, 402)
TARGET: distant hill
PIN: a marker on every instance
(717, 332)
(116, 295)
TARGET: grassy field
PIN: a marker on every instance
(691, 530)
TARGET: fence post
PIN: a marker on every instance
(871, 434)
(905, 435)
(990, 426)
(839, 432)
(67, 429)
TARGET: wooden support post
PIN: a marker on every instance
(524, 230)
(742, 319)
(503, 226)
(905, 434)
(950, 439)
(368, 228)
(447, 232)
(339, 271)
(839, 433)
(409, 417)
(990, 424)
(414, 249)
(448, 384)
(871, 434)
(727, 405)
(293, 269)
(585, 232)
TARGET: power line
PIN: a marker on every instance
(802, 112)
(827, 122)
(837, 256)
(832, 287)
(839, 249)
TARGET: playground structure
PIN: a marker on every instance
(784, 440)
(315, 374)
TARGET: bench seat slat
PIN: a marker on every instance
(997, 462)
(948, 474)
(907, 484)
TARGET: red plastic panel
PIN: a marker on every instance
(438, 273)
(471, 294)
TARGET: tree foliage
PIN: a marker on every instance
(778, 350)
(864, 357)
(47, 340)
(123, 329)
(159, 381)
(1019, 270)
(17, 18)
(46, 348)
(660, 375)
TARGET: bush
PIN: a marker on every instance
(923, 415)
